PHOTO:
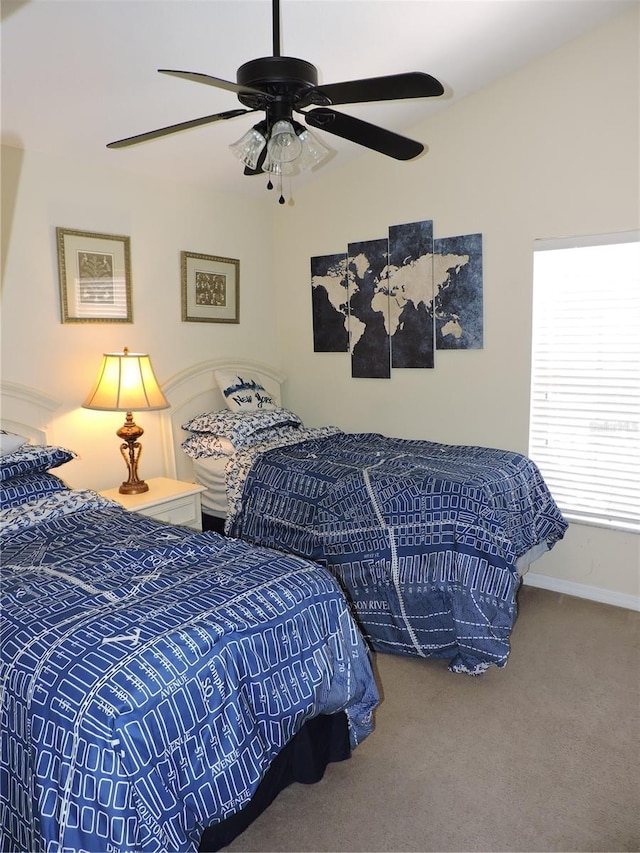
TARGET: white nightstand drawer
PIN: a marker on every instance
(179, 511)
(171, 501)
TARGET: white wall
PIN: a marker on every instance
(549, 151)
(162, 218)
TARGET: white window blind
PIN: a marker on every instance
(585, 385)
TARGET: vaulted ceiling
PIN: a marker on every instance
(77, 74)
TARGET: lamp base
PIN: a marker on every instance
(133, 488)
(131, 450)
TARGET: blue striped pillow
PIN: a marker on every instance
(28, 487)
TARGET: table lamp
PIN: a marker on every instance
(125, 382)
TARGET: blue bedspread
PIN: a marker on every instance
(150, 675)
(424, 537)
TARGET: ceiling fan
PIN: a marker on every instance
(282, 85)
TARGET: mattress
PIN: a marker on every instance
(209, 472)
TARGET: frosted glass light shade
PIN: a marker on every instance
(125, 382)
(286, 169)
(284, 146)
(249, 147)
(313, 151)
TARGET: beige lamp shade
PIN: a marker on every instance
(126, 382)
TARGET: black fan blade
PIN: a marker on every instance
(214, 81)
(174, 128)
(394, 87)
(369, 135)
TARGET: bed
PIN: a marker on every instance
(159, 686)
(429, 541)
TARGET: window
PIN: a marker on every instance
(584, 431)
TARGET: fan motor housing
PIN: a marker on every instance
(277, 75)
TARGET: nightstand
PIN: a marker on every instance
(172, 501)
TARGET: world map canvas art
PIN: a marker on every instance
(392, 302)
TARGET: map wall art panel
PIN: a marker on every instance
(394, 302)
(411, 294)
(458, 303)
(330, 303)
(369, 309)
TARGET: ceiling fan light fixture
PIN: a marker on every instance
(284, 145)
(313, 151)
(249, 147)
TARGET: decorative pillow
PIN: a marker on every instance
(10, 441)
(240, 427)
(206, 444)
(29, 487)
(31, 458)
(243, 392)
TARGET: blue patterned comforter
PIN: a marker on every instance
(425, 538)
(151, 674)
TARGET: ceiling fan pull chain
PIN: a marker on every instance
(281, 199)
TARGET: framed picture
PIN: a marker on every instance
(210, 289)
(95, 277)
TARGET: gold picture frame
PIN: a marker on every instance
(210, 288)
(95, 277)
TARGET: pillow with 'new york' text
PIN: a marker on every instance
(243, 392)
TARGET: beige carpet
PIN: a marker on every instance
(543, 755)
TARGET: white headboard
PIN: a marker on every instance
(26, 411)
(194, 391)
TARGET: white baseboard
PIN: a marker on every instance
(581, 590)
